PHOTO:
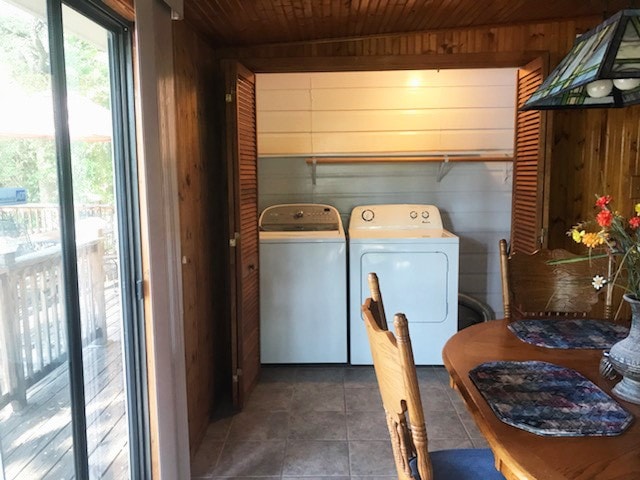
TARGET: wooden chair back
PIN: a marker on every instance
(398, 383)
(377, 305)
(532, 288)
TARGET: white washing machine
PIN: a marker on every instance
(303, 285)
(416, 261)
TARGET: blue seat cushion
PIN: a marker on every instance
(464, 464)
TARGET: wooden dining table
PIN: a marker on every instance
(523, 455)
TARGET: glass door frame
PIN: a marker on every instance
(127, 207)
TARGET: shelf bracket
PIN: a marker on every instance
(444, 168)
(314, 164)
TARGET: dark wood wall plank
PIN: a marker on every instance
(241, 22)
(123, 8)
(201, 237)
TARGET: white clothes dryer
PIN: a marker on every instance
(416, 261)
(303, 285)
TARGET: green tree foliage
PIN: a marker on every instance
(92, 172)
(30, 162)
(24, 49)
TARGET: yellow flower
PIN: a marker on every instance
(637, 208)
(577, 235)
(592, 240)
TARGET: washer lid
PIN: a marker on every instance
(300, 217)
(332, 236)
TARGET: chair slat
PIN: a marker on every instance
(531, 287)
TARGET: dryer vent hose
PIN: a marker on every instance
(482, 311)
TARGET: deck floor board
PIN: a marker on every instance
(37, 441)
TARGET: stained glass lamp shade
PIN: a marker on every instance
(601, 70)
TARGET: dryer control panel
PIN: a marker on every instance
(396, 217)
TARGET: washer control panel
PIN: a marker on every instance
(308, 217)
(392, 217)
(368, 215)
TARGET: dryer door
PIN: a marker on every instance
(413, 283)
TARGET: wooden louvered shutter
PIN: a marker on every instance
(529, 216)
(243, 223)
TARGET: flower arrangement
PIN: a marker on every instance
(613, 235)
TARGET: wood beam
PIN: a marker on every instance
(391, 62)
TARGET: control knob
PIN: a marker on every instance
(367, 215)
(425, 214)
(413, 214)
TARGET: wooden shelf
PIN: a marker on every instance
(416, 159)
(444, 160)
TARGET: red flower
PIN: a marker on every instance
(634, 222)
(604, 218)
(603, 201)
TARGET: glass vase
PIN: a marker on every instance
(625, 357)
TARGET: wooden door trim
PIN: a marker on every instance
(229, 68)
(528, 220)
(546, 140)
(243, 315)
(392, 62)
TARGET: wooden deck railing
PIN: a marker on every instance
(32, 318)
(35, 218)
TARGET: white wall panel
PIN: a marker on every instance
(388, 112)
(391, 98)
(473, 140)
(284, 143)
(283, 100)
(410, 141)
(374, 98)
(284, 122)
(414, 78)
(413, 119)
(284, 81)
(376, 142)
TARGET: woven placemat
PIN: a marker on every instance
(548, 399)
(569, 333)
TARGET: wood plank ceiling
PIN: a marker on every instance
(257, 22)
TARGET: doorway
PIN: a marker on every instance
(72, 369)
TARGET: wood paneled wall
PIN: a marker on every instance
(594, 151)
(467, 110)
(122, 7)
(202, 208)
(555, 37)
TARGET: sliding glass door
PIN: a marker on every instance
(72, 397)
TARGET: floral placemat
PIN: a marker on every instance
(548, 399)
(569, 333)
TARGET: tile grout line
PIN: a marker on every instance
(346, 424)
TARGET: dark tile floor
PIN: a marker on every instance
(325, 423)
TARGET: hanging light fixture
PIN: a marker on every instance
(601, 70)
